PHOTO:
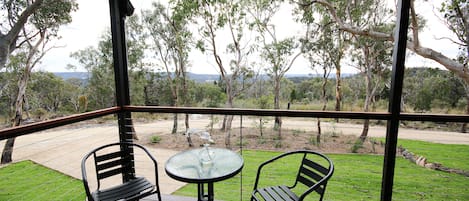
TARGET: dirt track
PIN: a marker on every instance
(301, 124)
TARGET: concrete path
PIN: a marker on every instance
(63, 149)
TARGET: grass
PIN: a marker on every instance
(357, 177)
(27, 180)
(452, 156)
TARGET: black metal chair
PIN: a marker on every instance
(314, 171)
(110, 161)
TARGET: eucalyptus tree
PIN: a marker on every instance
(372, 61)
(170, 40)
(75, 94)
(278, 53)
(46, 92)
(456, 16)
(42, 28)
(371, 56)
(323, 46)
(361, 18)
(224, 35)
(138, 65)
(97, 61)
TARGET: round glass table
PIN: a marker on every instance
(204, 166)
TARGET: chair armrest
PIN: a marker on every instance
(269, 162)
(85, 177)
(151, 158)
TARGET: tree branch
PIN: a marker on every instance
(450, 64)
(23, 18)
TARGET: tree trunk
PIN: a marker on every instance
(8, 151)
(261, 125)
(318, 136)
(338, 92)
(132, 129)
(223, 123)
(22, 84)
(464, 125)
(175, 124)
(366, 127)
(229, 120)
(278, 120)
(323, 100)
(368, 77)
(186, 121)
(20, 96)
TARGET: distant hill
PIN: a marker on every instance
(194, 76)
(68, 75)
(203, 77)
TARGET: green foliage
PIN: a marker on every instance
(313, 140)
(427, 88)
(49, 92)
(456, 15)
(278, 144)
(241, 144)
(356, 146)
(209, 95)
(264, 102)
(155, 139)
(52, 13)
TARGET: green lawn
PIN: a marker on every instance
(357, 177)
(452, 156)
(29, 181)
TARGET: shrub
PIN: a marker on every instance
(155, 139)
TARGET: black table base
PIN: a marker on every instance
(201, 192)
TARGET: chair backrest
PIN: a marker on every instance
(110, 160)
(313, 174)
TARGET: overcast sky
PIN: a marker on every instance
(92, 19)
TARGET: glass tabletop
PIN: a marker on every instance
(204, 165)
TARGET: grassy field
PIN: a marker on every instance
(357, 177)
(29, 181)
(452, 156)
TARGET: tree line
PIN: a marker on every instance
(426, 90)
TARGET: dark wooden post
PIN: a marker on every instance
(119, 10)
(398, 62)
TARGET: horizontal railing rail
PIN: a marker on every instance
(261, 112)
(43, 125)
(39, 126)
